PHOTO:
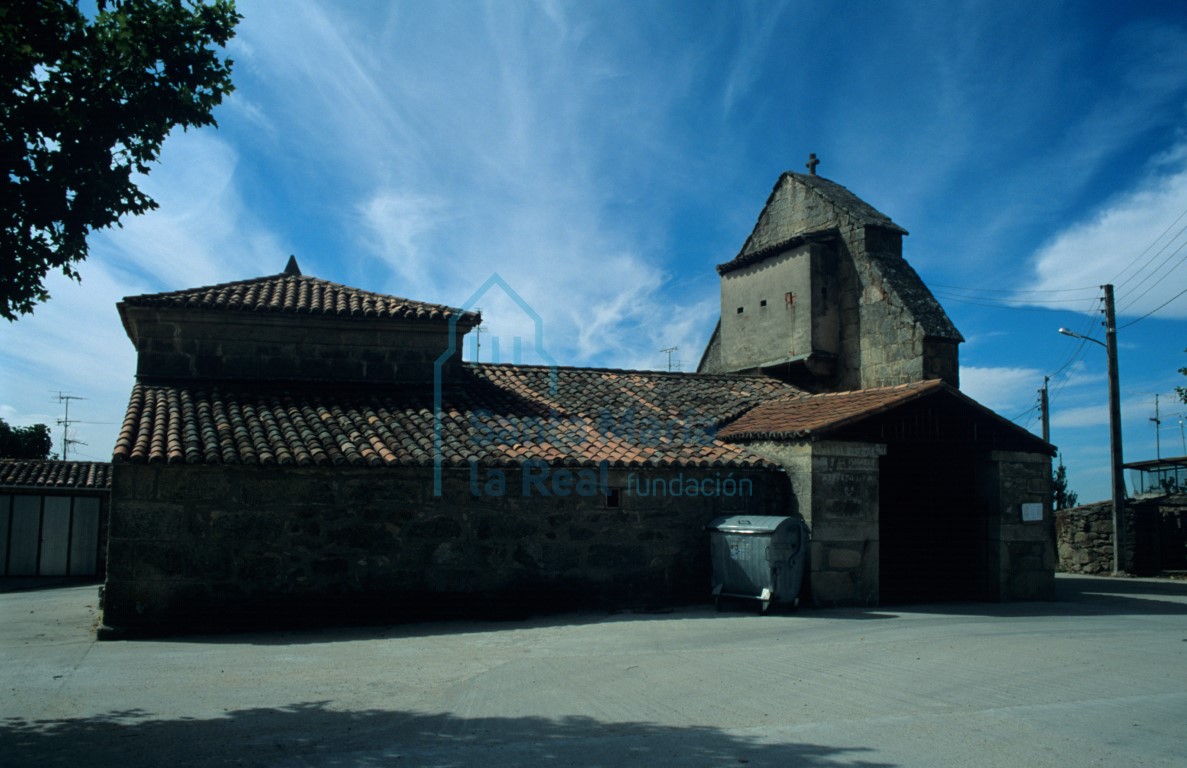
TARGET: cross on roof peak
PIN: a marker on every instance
(812, 163)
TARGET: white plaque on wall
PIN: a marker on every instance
(1032, 513)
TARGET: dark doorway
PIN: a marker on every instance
(932, 530)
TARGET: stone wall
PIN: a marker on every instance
(1155, 536)
(885, 341)
(198, 545)
(780, 309)
(186, 343)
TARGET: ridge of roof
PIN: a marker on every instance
(291, 292)
(629, 371)
(825, 235)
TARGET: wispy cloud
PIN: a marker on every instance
(202, 233)
(1003, 389)
(1134, 412)
(73, 344)
(541, 120)
(1138, 241)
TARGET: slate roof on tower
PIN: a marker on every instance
(805, 208)
(820, 210)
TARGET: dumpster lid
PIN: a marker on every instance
(748, 523)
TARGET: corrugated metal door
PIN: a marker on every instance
(55, 536)
(84, 537)
(24, 536)
(49, 535)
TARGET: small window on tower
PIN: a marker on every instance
(762, 303)
(739, 310)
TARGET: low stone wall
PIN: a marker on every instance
(199, 546)
(1155, 535)
(1085, 538)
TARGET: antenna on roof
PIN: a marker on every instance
(478, 331)
(669, 351)
(291, 268)
(65, 423)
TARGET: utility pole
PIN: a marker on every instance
(1046, 410)
(1119, 544)
(1157, 429)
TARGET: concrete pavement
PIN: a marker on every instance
(1098, 677)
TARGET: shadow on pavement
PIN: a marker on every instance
(31, 583)
(314, 733)
(1075, 596)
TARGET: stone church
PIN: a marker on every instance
(298, 450)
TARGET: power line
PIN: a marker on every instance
(1152, 274)
(1029, 410)
(1115, 280)
(1076, 353)
(1160, 306)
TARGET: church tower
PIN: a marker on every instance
(820, 296)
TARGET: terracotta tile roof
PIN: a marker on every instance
(23, 473)
(803, 415)
(296, 294)
(498, 415)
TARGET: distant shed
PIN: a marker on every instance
(53, 517)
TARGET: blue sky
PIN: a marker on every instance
(603, 156)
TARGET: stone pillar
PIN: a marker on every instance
(1021, 552)
(835, 485)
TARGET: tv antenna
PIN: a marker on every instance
(669, 351)
(478, 331)
(65, 423)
